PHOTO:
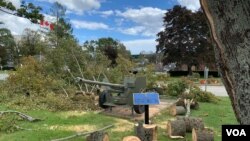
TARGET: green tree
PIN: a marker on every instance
(109, 47)
(8, 50)
(62, 28)
(26, 10)
(185, 39)
(31, 43)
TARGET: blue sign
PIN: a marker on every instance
(146, 98)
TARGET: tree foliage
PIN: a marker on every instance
(31, 43)
(185, 39)
(26, 10)
(62, 29)
(109, 47)
(7, 46)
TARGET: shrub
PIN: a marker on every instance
(176, 88)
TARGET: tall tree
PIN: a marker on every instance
(230, 28)
(62, 29)
(185, 39)
(7, 46)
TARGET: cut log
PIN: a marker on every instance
(176, 128)
(98, 136)
(177, 110)
(194, 105)
(202, 135)
(192, 122)
(131, 138)
(146, 132)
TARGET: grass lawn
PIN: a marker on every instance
(62, 124)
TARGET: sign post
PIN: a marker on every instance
(206, 76)
(146, 99)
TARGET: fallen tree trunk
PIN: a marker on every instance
(22, 115)
(146, 132)
(192, 122)
(98, 136)
(177, 110)
(194, 105)
(187, 105)
(82, 134)
(131, 138)
(202, 135)
(176, 128)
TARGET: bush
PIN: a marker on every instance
(177, 88)
(203, 96)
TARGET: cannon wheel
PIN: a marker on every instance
(139, 109)
(102, 100)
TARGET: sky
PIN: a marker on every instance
(134, 23)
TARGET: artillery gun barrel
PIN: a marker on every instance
(100, 83)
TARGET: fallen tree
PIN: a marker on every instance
(84, 134)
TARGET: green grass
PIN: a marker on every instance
(62, 124)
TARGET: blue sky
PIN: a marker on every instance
(135, 23)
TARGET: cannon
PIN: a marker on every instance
(119, 94)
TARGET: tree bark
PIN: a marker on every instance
(98, 136)
(146, 132)
(176, 128)
(230, 28)
(192, 122)
(131, 138)
(177, 110)
(194, 105)
(202, 135)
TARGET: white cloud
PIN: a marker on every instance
(137, 46)
(133, 30)
(193, 5)
(78, 6)
(88, 25)
(106, 13)
(16, 3)
(147, 17)
(16, 24)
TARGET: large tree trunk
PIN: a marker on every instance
(229, 22)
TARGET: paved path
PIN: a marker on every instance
(3, 76)
(216, 90)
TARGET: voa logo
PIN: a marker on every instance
(236, 132)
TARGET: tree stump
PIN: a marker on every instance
(176, 128)
(177, 110)
(202, 135)
(131, 138)
(192, 122)
(98, 136)
(146, 132)
(194, 105)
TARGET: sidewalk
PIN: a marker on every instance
(216, 90)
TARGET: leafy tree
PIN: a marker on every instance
(26, 10)
(230, 28)
(7, 46)
(62, 29)
(109, 47)
(7, 5)
(185, 39)
(31, 43)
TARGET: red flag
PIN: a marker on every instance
(46, 24)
